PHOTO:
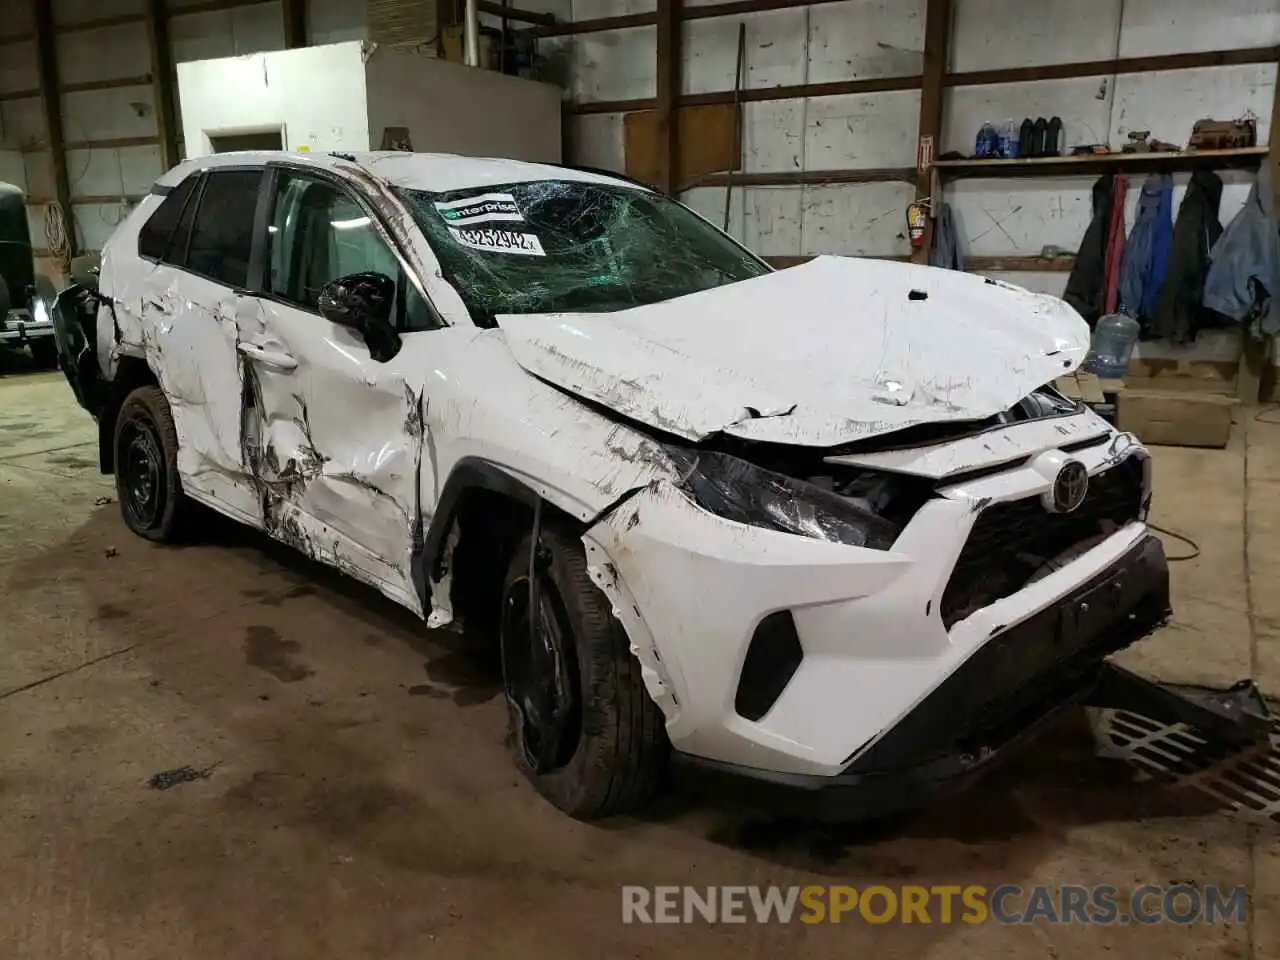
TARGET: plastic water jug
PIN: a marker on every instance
(1111, 346)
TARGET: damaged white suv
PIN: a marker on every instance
(825, 531)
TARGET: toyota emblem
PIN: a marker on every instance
(1069, 487)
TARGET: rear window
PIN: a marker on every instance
(222, 235)
(567, 246)
(153, 238)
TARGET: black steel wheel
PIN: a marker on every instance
(540, 671)
(146, 466)
(585, 731)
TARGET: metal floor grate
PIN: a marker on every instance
(1247, 781)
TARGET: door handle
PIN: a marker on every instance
(270, 358)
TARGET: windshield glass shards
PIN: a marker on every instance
(564, 246)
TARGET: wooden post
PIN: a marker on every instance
(295, 23)
(163, 81)
(668, 53)
(937, 36)
(51, 106)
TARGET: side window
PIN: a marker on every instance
(153, 238)
(176, 253)
(319, 233)
(222, 235)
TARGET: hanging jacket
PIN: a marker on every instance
(1146, 258)
(1243, 282)
(1180, 313)
(1086, 284)
(1115, 244)
(945, 249)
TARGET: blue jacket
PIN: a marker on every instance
(1146, 255)
(1244, 270)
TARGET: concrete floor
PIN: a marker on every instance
(360, 803)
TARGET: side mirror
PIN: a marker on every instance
(361, 301)
(364, 302)
(84, 271)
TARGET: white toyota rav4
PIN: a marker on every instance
(825, 531)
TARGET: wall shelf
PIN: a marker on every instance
(1101, 163)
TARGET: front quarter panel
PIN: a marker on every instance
(480, 405)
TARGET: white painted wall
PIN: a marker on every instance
(884, 38)
(102, 171)
(315, 95)
(450, 108)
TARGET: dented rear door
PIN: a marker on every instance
(188, 303)
(333, 436)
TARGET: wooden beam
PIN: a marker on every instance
(1238, 157)
(666, 105)
(211, 6)
(937, 34)
(51, 107)
(1020, 263)
(19, 94)
(731, 9)
(596, 25)
(1102, 68)
(110, 143)
(162, 82)
(515, 13)
(100, 23)
(295, 23)
(115, 83)
(790, 178)
(835, 88)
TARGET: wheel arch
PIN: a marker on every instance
(130, 373)
(492, 509)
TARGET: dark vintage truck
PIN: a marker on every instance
(26, 297)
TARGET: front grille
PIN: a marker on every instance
(1013, 542)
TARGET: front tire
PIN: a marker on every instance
(587, 734)
(146, 467)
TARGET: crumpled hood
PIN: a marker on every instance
(832, 351)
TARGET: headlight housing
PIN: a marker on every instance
(744, 493)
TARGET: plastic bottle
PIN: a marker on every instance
(988, 142)
(1009, 135)
(1111, 346)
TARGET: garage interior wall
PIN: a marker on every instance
(113, 147)
(862, 39)
(876, 132)
(111, 136)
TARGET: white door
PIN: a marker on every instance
(336, 436)
(199, 240)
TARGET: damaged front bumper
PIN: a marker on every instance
(1001, 697)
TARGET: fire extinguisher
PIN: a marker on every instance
(917, 214)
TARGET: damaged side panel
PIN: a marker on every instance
(184, 327)
(333, 443)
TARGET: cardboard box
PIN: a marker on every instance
(1177, 419)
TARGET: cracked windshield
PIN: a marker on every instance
(561, 246)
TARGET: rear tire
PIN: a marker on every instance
(608, 755)
(45, 352)
(146, 467)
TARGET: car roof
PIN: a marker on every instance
(435, 172)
